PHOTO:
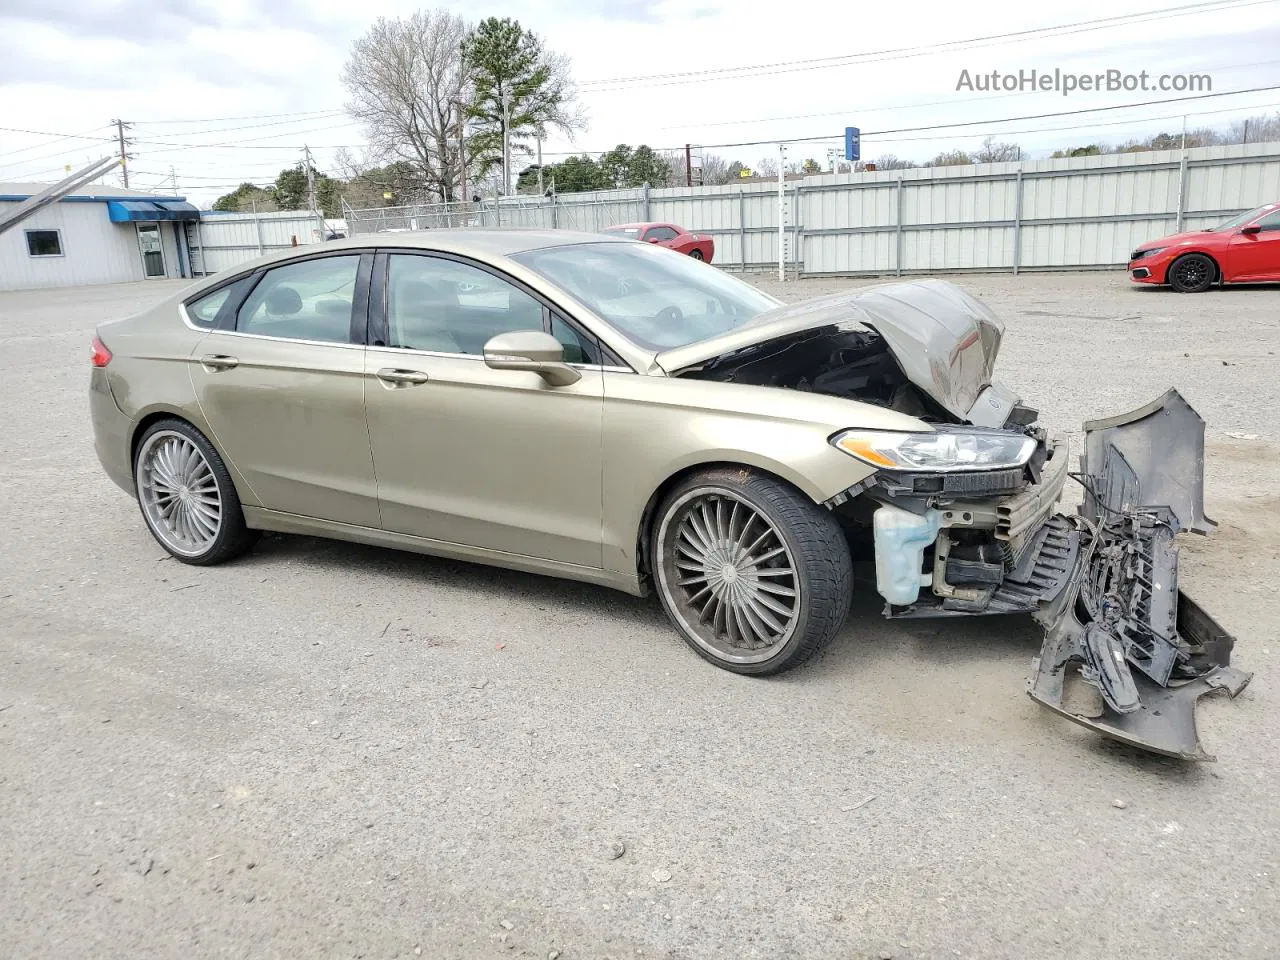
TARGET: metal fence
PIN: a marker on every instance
(1076, 213)
(218, 241)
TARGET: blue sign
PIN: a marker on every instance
(852, 143)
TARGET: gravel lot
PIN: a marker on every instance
(329, 750)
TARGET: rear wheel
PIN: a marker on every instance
(187, 498)
(696, 254)
(1192, 273)
(754, 575)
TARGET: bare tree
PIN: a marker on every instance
(889, 161)
(1259, 129)
(715, 169)
(407, 86)
(993, 151)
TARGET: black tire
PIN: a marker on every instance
(696, 254)
(231, 537)
(1192, 273)
(811, 544)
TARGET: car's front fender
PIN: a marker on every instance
(656, 428)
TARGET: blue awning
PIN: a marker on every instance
(126, 211)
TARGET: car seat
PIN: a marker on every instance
(421, 314)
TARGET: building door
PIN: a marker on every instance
(152, 250)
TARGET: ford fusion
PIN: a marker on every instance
(613, 412)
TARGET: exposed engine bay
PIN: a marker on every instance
(1125, 652)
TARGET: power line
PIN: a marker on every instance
(170, 145)
(860, 111)
(897, 53)
(51, 133)
(990, 122)
(250, 126)
(251, 116)
(45, 143)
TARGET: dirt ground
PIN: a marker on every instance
(327, 750)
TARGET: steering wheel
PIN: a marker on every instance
(669, 314)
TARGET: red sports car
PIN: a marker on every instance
(669, 235)
(1245, 249)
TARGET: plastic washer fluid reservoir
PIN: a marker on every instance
(901, 540)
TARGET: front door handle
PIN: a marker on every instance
(395, 376)
(214, 362)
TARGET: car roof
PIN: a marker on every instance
(481, 242)
(494, 241)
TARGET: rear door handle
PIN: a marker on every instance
(214, 362)
(395, 376)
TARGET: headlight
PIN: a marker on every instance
(1149, 253)
(945, 450)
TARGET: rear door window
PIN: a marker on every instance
(309, 300)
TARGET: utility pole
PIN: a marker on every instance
(311, 178)
(688, 165)
(540, 191)
(506, 143)
(121, 127)
(173, 179)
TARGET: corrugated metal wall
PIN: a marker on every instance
(1048, 214)
(220, 241)
(1038, 215)
(95, 250)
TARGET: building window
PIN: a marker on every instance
(44, 243)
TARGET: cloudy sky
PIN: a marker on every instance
(222, 91)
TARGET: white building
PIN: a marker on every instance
(98, 234)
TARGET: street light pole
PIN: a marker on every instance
(462, 150)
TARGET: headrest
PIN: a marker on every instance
(283, 301)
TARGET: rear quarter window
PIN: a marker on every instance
(204, 311)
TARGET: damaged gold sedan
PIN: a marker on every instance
(598, 409)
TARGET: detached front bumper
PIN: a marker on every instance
(1125, 653)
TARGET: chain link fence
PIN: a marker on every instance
(1074, 213)
(538, 213)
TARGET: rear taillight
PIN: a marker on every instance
(101, 355)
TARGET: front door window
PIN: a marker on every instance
(152, 250)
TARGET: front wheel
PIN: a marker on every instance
(187, 498)
(755, 576)
(696, 254)
(1192, 273)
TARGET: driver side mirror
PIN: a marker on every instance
(654, 240)
(530, 350)
(1251, 229)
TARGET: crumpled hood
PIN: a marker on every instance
(945, 340)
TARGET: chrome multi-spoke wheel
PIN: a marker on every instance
(186, 495)
(755, 577)
(179, 493)
(735, 581)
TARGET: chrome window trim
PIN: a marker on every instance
(480, 357)
(182, 308)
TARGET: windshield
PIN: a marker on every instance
(1240, 220)
(657, 298)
